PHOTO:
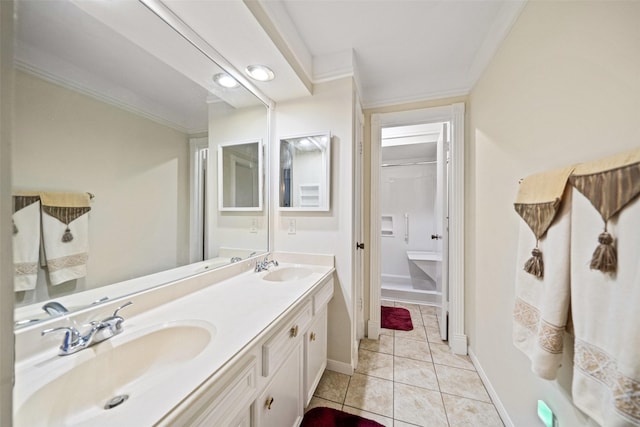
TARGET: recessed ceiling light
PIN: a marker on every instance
(261, 73)
(225, 80)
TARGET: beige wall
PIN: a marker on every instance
(137, 169)
(563, 89)
(6, 267)
(330, 108)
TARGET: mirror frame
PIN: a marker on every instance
(221, 182)
(325, 181)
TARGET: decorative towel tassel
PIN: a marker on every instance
(604, 257)
(534, 265)
(67, 236)
(15, 227)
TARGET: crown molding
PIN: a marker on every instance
(423, 97)
(100, 96)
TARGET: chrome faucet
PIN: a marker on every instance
(54, 308)
(74, 341)
(265, 264)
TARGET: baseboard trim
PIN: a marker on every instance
(492, 392)
(340, 367)
(373, 329)
(458, 343)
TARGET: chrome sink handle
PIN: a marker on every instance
(71, 337)
(115, 313)
(112, 325)
(73, 341)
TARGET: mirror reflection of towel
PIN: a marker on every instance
(26, 241)
(65, 233)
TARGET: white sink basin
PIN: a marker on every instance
(122, 366)
(285, 274)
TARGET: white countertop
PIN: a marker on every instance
(239, 309)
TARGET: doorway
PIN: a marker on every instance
(414, 215)
(448, 123)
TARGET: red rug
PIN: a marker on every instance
(396, 318)
(328, 417)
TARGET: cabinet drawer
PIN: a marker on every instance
(280, 344)
(323, 296)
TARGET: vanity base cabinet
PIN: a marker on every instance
(315, 353)
(273, 380)
(280, 405)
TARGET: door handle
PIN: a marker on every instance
(436, 237)
(359, 245)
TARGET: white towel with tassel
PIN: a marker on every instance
(542, 303)
(65, 232)
(606, 308)
(26, 242)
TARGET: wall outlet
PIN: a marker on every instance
(253, 228)
(292, 226)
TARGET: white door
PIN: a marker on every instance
(442, 227)
(359, 234)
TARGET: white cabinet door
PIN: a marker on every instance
(315, 353)
(280, 405)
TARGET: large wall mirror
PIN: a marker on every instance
(305, 172)
(111, 100)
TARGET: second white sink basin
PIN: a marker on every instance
(119, 369)
(285, 274)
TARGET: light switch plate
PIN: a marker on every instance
(292, 226)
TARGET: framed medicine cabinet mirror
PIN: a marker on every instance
(305, 172)
(240, 176)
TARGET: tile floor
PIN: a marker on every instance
(410, 378)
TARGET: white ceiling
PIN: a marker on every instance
(400, 51)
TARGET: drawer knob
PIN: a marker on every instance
(294, 331)
(312, 337)
(268, 403)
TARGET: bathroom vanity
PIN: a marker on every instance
(230, 347)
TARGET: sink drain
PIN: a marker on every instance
(115, 401)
